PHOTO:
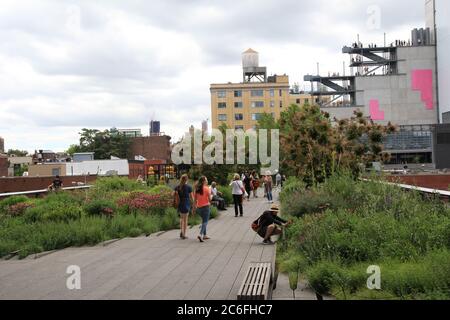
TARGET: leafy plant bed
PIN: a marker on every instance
(115, 208)
(344, 226)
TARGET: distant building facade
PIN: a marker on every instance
(44, 156)
(151, 148)
(47, 169)
(241, 105)
(2, 145)
(438, 21)
(83, 156)
(3, 166)
(18, 165)
(132, 133)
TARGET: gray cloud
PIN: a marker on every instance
(67, 64)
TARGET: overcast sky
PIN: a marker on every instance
(67, 65)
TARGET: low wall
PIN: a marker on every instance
(438, 182)
(19, 184)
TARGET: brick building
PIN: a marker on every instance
(2, 145)
(151, 148)
(3, 166)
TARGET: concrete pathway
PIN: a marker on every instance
(157, 267)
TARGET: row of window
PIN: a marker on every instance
(240, 116)
(254, 104)
(254, 93)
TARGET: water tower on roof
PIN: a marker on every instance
(252, 71)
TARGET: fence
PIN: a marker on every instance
(444, 195)
(37, 193)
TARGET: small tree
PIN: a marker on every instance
(313, 148)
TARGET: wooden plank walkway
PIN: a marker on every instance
(153, 268)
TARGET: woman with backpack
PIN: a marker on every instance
(183, 199)
(202, 198)
(238, 191)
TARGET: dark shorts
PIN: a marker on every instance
(184, 207)
(262, 232)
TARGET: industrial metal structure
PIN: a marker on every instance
(393, 83)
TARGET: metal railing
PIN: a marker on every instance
(445, 195)
(42, 191)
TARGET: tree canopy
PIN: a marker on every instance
(313, 147)
(104, 144)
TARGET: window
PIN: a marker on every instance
(238, 94)
(222, 117)
(257, 93)
(258, 104)
(239, 116)
(272, 93)
(239, 128)
(281, 93)
(222, 105)
(238, 105)
(298, 101)
(256, 116)
(281, 104)
(56, 172)
(272, 104)
(221, 94)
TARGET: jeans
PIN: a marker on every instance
(204, 213)
(269, 195)
(238, 204)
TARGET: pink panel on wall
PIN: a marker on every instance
(422, 80)
(375, 113)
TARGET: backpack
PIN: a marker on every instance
(255, 225)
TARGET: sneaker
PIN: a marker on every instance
(268, 242)
(200, 239)
(206, 238)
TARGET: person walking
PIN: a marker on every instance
(269, 187)
(265, 186)
(202, 199)
(255, 184)
(238, 195)
(248, 185)
(278, 179)
(183, 199)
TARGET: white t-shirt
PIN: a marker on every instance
(237, 187)
(213, 192)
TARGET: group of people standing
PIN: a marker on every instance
(198, 199)
(251, 183)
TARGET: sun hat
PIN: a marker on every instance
(275, 208)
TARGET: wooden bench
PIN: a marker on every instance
(257, 284)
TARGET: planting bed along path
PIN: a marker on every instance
(157, 267)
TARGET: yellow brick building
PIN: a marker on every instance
(240, 105)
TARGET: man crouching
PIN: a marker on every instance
(269, 224)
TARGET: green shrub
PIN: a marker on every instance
(227, 194)
(170, 219)
(4, 204)
(162, 189)
(100, 207)
(293, 186)
(214, 213)
(53, 211)
(367, 223)
(311, 201)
